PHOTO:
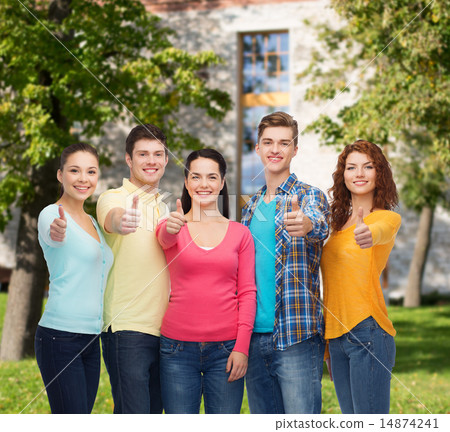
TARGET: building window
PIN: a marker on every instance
(264, 89)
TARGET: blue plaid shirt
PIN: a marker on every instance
(298, 313)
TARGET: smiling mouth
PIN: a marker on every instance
(275, 159)
(81, 188)
(150, 170)
(360, 183)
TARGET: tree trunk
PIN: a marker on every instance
(419, 259)
(29, 278)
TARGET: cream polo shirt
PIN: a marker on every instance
(137, 291)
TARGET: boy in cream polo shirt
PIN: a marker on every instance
(137, 291)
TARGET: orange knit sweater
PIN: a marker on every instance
(351, 275)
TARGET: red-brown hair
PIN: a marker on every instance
(385, 195)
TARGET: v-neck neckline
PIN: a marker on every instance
(213, 248)
(99, 241)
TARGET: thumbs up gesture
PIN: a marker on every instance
(131, 218)
(176, 219)
(58, 226)
(297, 224)
(363, 235)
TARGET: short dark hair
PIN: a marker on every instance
(279, 119)
(145, 131)
(207, 153)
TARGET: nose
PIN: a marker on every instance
(83, 176)
(203, 182)
(276, 148)
(360, 172)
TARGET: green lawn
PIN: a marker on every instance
(420, 385)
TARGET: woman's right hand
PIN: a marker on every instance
(176, 220)
(58, 226)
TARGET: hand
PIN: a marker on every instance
(130, 219)
(363, 236)
(297, 224)
(176, 220)
(328, 362)
(58, 226)
(237, 364)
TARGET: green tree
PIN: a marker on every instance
(79, 63)
(392, 57)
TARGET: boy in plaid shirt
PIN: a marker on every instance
(289, 223)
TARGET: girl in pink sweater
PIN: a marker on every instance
(206, 330)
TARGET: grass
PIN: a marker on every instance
(420, 383)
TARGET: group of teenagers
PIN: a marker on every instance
(189, 303)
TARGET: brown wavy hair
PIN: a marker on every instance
(385, 195)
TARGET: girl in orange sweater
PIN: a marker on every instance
(359, 332)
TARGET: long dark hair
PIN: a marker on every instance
(224, 205)
(385, 194)
(70, 150)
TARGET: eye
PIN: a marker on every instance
(92, 172)
(73, 170)
(285, 143)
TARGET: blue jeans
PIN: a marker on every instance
(132, 362)
(70, 368)
(285, 382)
(361, 364)
(190, 369)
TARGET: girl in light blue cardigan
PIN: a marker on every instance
(78, 259)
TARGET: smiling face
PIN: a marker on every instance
(79, 175)
(360, 174)
(147, 163)
(204, 182)
(276, 149)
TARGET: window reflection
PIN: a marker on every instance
(265, 85)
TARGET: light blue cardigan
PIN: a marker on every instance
(78, 269)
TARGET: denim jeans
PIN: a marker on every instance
(190, 369)
(361, 364)
(70, 368)
(132, 362)
(285, 382)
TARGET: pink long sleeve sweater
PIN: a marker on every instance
(213, 292)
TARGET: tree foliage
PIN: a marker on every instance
(393, 58)
(83, 63)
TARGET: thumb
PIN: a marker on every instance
(61, 212)
(229, 364)
(134, 206)
(179, 207)
(294, 201)
(359, 218)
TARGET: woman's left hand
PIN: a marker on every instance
(363, 235)
(236, 365)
